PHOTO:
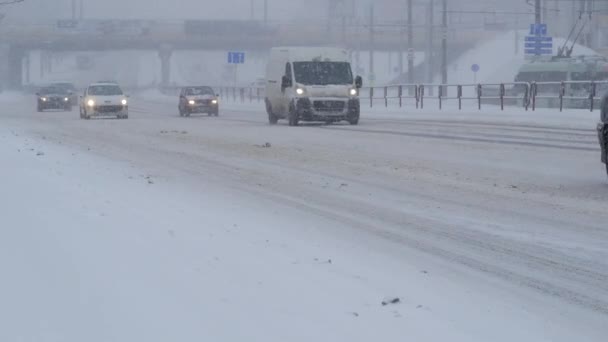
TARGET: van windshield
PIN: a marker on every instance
(323, 73)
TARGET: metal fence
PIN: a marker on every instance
(526, 95)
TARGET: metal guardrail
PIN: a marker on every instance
(527, 95)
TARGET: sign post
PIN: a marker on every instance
(236, 58)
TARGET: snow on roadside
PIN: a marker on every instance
(11, 97)
(98, 250)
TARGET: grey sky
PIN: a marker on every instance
(156, 9)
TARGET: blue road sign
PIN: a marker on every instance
(539, 45)
(539, 51)
(236, 58)
(475, 68)
(538, 39)
(538, 29)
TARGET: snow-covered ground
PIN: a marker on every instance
(488, 226)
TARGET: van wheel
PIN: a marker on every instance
(354, 121)
(293, 116)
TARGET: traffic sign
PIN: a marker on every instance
(539, 51)
(538, 39)
(539, 45)
(538, 29)
(236, 58)
(475, 67)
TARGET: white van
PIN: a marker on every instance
(311, 84)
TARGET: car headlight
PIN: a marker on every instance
(90, 103)
(124, 102)
(66, 99)
(353, 92)
(191, 102)
(43, 99)
(300, 91)
(214, 101)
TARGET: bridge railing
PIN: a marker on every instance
(526, 95)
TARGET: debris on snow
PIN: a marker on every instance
(390, 300)
(265, 145)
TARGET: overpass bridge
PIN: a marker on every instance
(169, 36)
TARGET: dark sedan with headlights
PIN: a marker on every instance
(198, 100)
(57, 98)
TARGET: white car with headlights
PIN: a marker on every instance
(104, 99)
(311, 84)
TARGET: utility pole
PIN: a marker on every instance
(429, 52)
(537, 12)
(581, 14)
(444, 45)
(410, 42)
(252, 10)
(266, 12)
(73, 9)
(371, 75)
(592, 25)
(545, 11)
(400, 50)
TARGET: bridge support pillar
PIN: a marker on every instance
(11, 67)
(164, 54)
(4, 66)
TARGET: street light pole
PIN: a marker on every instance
(73, 9)
(444, 45)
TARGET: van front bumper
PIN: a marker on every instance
(327, 109)
(602, 133)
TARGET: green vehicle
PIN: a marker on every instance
(565, 69)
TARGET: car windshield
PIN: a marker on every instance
(105, 90)
(53, 91)
(67, 86)
(195, 91)
(323, 73)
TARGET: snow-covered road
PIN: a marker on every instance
(487, 226)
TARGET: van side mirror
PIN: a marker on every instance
(37, 94)
(286, 82)
(358, 82)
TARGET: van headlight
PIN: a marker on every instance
(43, 99)
(300, 91)
(353, 92)
(66, 99)
(90, 103)
(191, 102)
(124, 102)
(214, 102)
